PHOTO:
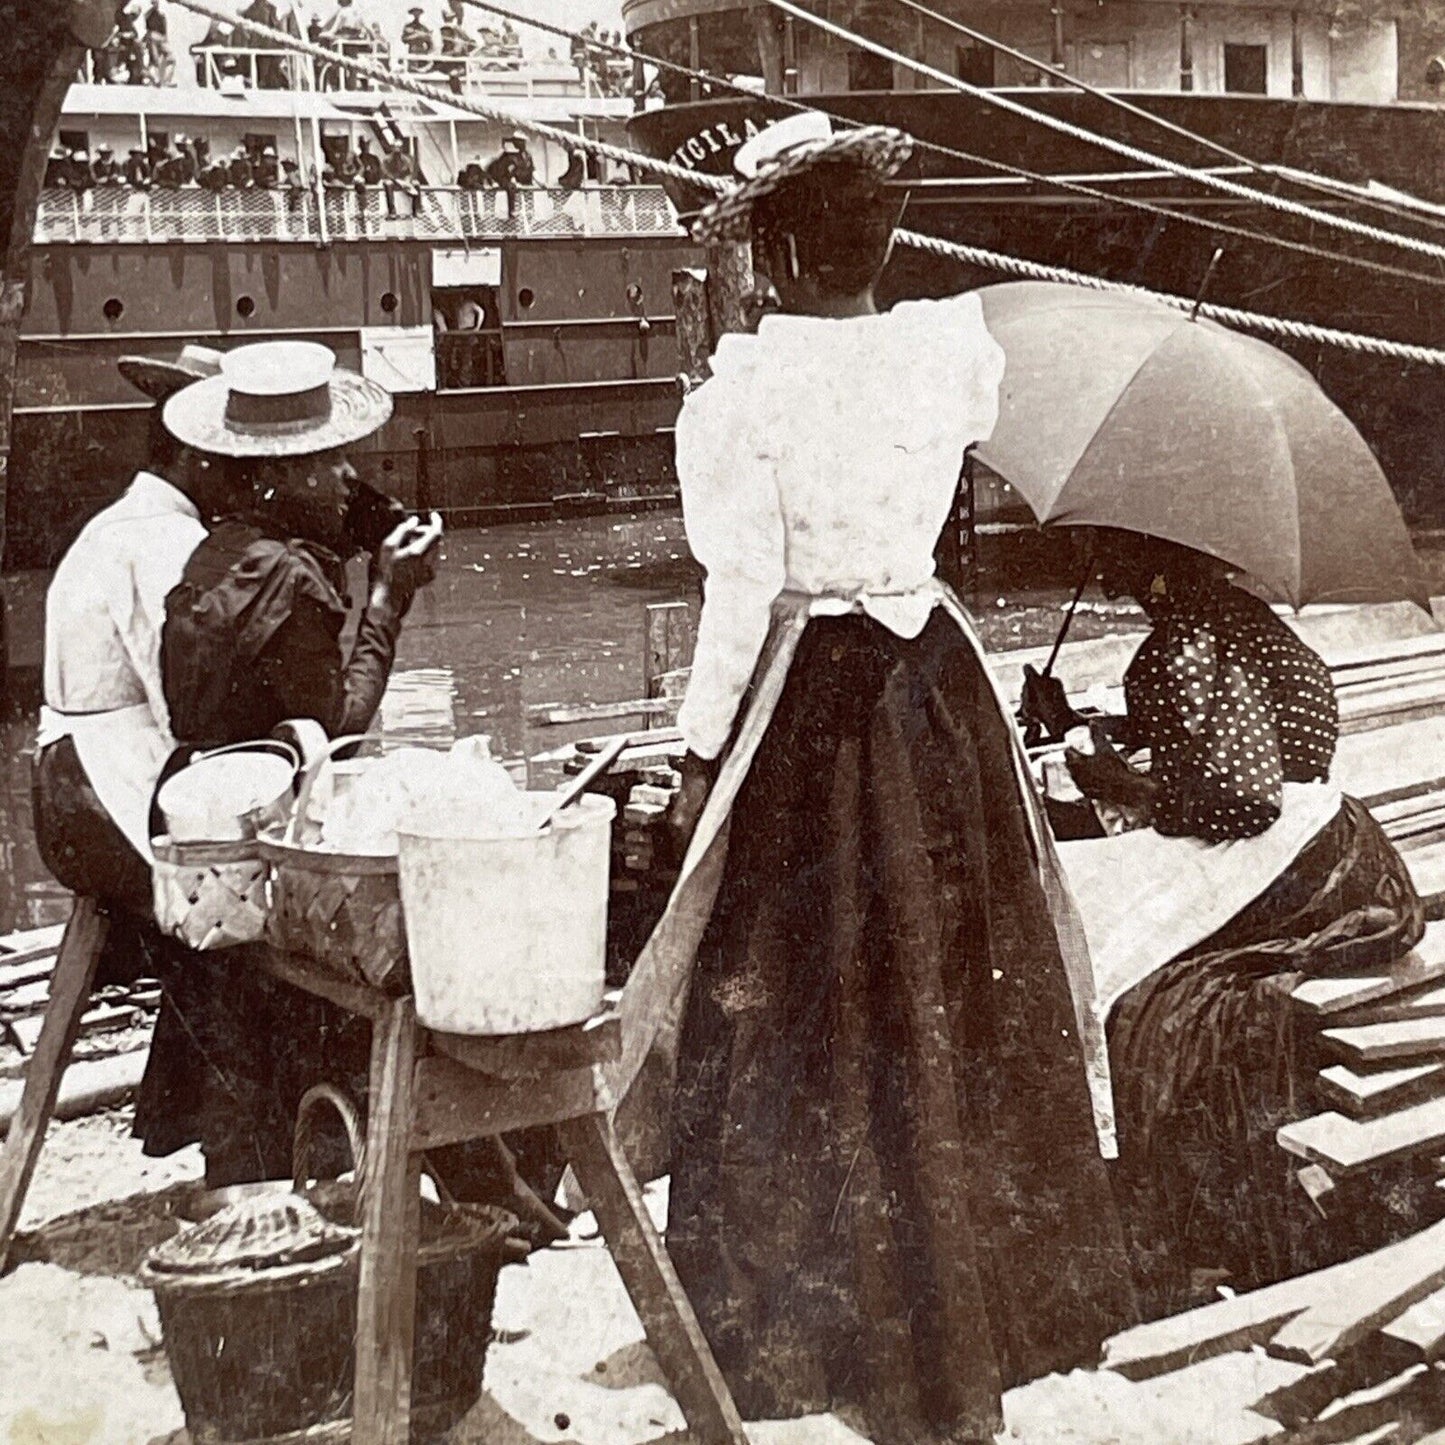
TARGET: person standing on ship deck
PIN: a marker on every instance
(888, 1193)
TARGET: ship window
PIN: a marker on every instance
(245, 307)
(867, 71)
(1246, 69)
(389, 302)
(257, 141)
(525, 297)
(74, 140)
(114, 309)
(974, 64)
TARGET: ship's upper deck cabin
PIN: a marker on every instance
(224, 140)
(1310, 49)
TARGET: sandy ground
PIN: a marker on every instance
(81, 1361)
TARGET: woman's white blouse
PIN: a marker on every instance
(822, 457)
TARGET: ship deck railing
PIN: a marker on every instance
(235, 69)
(114, 213)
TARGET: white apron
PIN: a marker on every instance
(123, 753)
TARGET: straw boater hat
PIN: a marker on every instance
(277, 399)
(786, 150)
(161, 379)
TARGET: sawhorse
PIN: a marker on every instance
(426, 1091)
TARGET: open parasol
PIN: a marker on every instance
(1120, 411)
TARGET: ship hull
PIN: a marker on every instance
(1399, 407)
(577, 415)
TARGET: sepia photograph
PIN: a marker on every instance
(722, 722)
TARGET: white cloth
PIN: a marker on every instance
(822, 457)
(103, 617)
(1145, 899)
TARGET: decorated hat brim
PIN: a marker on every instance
(197, 417)
(879, 150)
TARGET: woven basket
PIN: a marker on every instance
(340, 910)
(210, 895)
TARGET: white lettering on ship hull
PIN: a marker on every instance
(715, 140)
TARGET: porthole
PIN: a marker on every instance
(114, 309)
(389, 302)
(525, 298)
(245, 308)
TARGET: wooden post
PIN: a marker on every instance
(694, 339)
(729, 285)
(1186, 48)
(694, 58)
(767, 24)
(1056, 49)
(1296, 56)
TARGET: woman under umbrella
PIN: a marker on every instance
(887, 1191)
(1236, 712)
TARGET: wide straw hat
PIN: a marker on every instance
(786, 150)
(160, 379)
(277, 399)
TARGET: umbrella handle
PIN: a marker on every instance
(1214, 261)
(1068, 618)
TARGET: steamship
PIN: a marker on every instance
(1342, 91)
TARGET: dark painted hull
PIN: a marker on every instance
(1400, 408)
(583, 421)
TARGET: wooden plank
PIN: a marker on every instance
(1302, 1400)
(1383, 1091)
(74, 974)
(1344, 1145)
(26, 971)
(1382, 1286)
(662, 1305)
(106, 1019)
(454, 1103)
(355, 998)
(562, 715)
(390, 1217)
(512, 1056)
(1236, 1323)
(1415, 1039)
(1427, 873)
(1424, 964)
(29, 945)
(1420, 1331)
(1417, 1003)
(88, 1086)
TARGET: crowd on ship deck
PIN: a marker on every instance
(228, 57)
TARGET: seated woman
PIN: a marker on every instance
(1235, 709)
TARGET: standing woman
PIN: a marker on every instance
(888, 1197)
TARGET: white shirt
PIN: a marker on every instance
(823, 457)
(103, 618)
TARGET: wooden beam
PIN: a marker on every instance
(454, 1103)
(1378, 1289)
(1417, 1003)
(512, 1056)
(1424, 964)
(1415, 1039)
(1420, 1331)
(1344, 1145)
(1384, 1091)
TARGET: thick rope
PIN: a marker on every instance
(1228, 315)
(1004, 101)
(1326, 185)
(933, 245)
(1052, 182)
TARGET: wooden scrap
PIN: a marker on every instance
(97, 1021)
(1424, 964)
(1385, 1414)
(1381, 1043)
(1415, 1003)
(1304, 1399)
(1379, 1288)
(1427, 872)
(1420, 1331)
(1370, 1094)
(1344, 1145)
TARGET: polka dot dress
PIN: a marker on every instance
(1232, 706)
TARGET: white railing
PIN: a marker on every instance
(235, 68)
(120, 213)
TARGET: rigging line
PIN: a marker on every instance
(1154, 208)
(1227, 315)
(969, 255)
(1306, 179)
(398, 81)
(1003, 101)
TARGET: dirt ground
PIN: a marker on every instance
(82, 1361)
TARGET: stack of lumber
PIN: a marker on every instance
(1382, 1091)
(1367, 1335)
(114, 1034)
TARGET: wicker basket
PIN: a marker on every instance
(340, 910)
(265, 1356)
(210, 895)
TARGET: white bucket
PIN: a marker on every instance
(507, 934)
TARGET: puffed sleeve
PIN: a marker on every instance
(1216, 754)
(735, 529)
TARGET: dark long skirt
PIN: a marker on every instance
(886, 1189)
(1208, 1064)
